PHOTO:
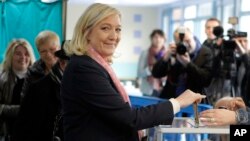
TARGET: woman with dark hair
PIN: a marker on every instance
(150, 85)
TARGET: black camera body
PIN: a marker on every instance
(231, 33)
(181, 47)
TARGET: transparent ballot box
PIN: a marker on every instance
(184, 129)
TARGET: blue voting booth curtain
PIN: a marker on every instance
(26, 18)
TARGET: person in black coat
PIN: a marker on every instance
(190, 70)
(47, 43)
(40, 112)
(243, 69)
(19, 56)
(95, 105)
(209, 27)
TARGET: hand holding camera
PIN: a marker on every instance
(182, 46)
(240, 48)
(184, 59)
(171, 50)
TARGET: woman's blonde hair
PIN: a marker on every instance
(7, 62)
(94, 14)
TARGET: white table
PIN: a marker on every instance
(160, 130)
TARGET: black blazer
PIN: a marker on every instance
(95, 111)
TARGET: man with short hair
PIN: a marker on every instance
(209, 27)
(47, 43)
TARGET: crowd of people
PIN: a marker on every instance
(204, 68)
(30, 90)
(71, 93)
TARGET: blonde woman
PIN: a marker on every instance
(19, 56)
(95, 105)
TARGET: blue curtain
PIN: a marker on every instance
(26, 18)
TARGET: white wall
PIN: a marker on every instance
(125, 63)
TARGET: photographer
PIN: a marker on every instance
(230, 64)
(243, 66)
(209, 26)
(186, 65)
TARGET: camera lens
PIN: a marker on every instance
(181, 48)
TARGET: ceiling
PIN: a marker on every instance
(124, 2)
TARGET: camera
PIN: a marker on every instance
(231, 34)
(229, 44)
(227, 49)
(234, 34)
(181, 47)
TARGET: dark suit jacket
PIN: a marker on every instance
(95, 111)
(198, 73)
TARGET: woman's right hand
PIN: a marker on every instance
(189, 97)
